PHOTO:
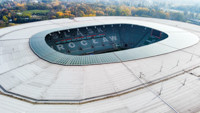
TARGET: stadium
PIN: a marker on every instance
(100, 65)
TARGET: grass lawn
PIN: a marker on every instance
(37, 12)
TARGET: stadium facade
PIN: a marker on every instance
(100, 65)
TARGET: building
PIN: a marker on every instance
(92, 65)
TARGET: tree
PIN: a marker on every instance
(125, 11)
(110, 11)
(118, 11)
(59, 14)
(5, 19)
(99, 13)
(2, 23)
(177, 16)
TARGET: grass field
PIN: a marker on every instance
(37, 12)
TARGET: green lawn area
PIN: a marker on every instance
(37, 12)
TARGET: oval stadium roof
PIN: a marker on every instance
(172, 43)
(160, 77)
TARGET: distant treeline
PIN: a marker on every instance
(13, 12)
(188, 8)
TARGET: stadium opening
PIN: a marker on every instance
(102, 38)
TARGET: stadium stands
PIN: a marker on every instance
(102, 38)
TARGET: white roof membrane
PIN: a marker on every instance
(163, 83)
